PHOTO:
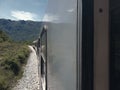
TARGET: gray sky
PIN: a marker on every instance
(23, 9)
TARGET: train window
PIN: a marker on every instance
(42, 67)
(44, 42)
(114, 45)
(87, 45)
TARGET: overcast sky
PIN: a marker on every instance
(23, 9)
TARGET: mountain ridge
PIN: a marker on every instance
(21, 30)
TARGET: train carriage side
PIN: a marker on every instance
(61, 45)
(74, 44)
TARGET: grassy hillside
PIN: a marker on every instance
(21, 30)
(3, 37)
(12, 57)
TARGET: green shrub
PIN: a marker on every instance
(12, 57)
(11, 65)
(3, 83)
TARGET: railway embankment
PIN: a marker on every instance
(30, 79)
(13, 56)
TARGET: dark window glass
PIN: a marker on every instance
(44, 43)
(114, 44)
(87, 45)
